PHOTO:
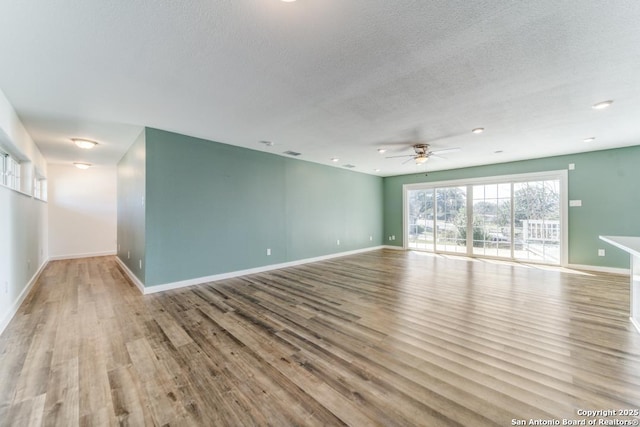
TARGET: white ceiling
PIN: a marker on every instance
(327, 78)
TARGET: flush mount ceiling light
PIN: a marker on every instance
(376, 170)
(81, 165)
(601, 105)
(590, 139)
(382, 150)
(87, 144)
(288, 1)
(478, 130)
(335, 159)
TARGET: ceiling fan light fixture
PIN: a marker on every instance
(421, 160)
(602, 105)
(87, 144)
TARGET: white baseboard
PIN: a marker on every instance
(222, 276)
(623, 271)
(131, 276)
(18, 302)
(395, 248)
(84, 255)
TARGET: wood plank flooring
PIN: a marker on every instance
(380, 338)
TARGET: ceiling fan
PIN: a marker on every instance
(422, 153)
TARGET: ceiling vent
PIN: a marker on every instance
(292, 153)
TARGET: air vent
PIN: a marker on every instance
(349, 166)
(292, 153)
(267, 143)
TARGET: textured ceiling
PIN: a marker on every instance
(327, 78)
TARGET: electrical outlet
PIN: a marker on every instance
(128, 254)
(268, 251)
(572, 166)
(371, 238)
(600, 252)
(140, 263)
(338, 242)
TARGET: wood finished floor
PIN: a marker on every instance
(380, 338)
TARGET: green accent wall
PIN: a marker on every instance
(213, 208)
(606, 182)
(131, 207)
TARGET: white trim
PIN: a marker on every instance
(229, 275)
(495, 179)
(85, 255)
(18, 302)
(612, 270)
(24, 193)
(634, 323)
(131, 276)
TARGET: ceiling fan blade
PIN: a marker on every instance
(435, 156)
(446, 150)
(408, 160)
(404, 155)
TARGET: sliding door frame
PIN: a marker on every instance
(561, 175)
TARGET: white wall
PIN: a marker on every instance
(23, 219)
(82, 211)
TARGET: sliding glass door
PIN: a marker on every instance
(421, 218)
(450, 229)
(517, 217)
(492, 235)
(537, 220)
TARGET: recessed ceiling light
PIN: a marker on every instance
(80, 165)
(590, 139)
(87, 144)
(382, 150)
(478, 130)
(335, 159)
(601, 105)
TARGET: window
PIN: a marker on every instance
(3, 168)
(511, 217)
(40, 188)
(10, 169)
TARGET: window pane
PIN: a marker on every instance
(421, 219)
(537, 221)
(451, 219)
(492, 220)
